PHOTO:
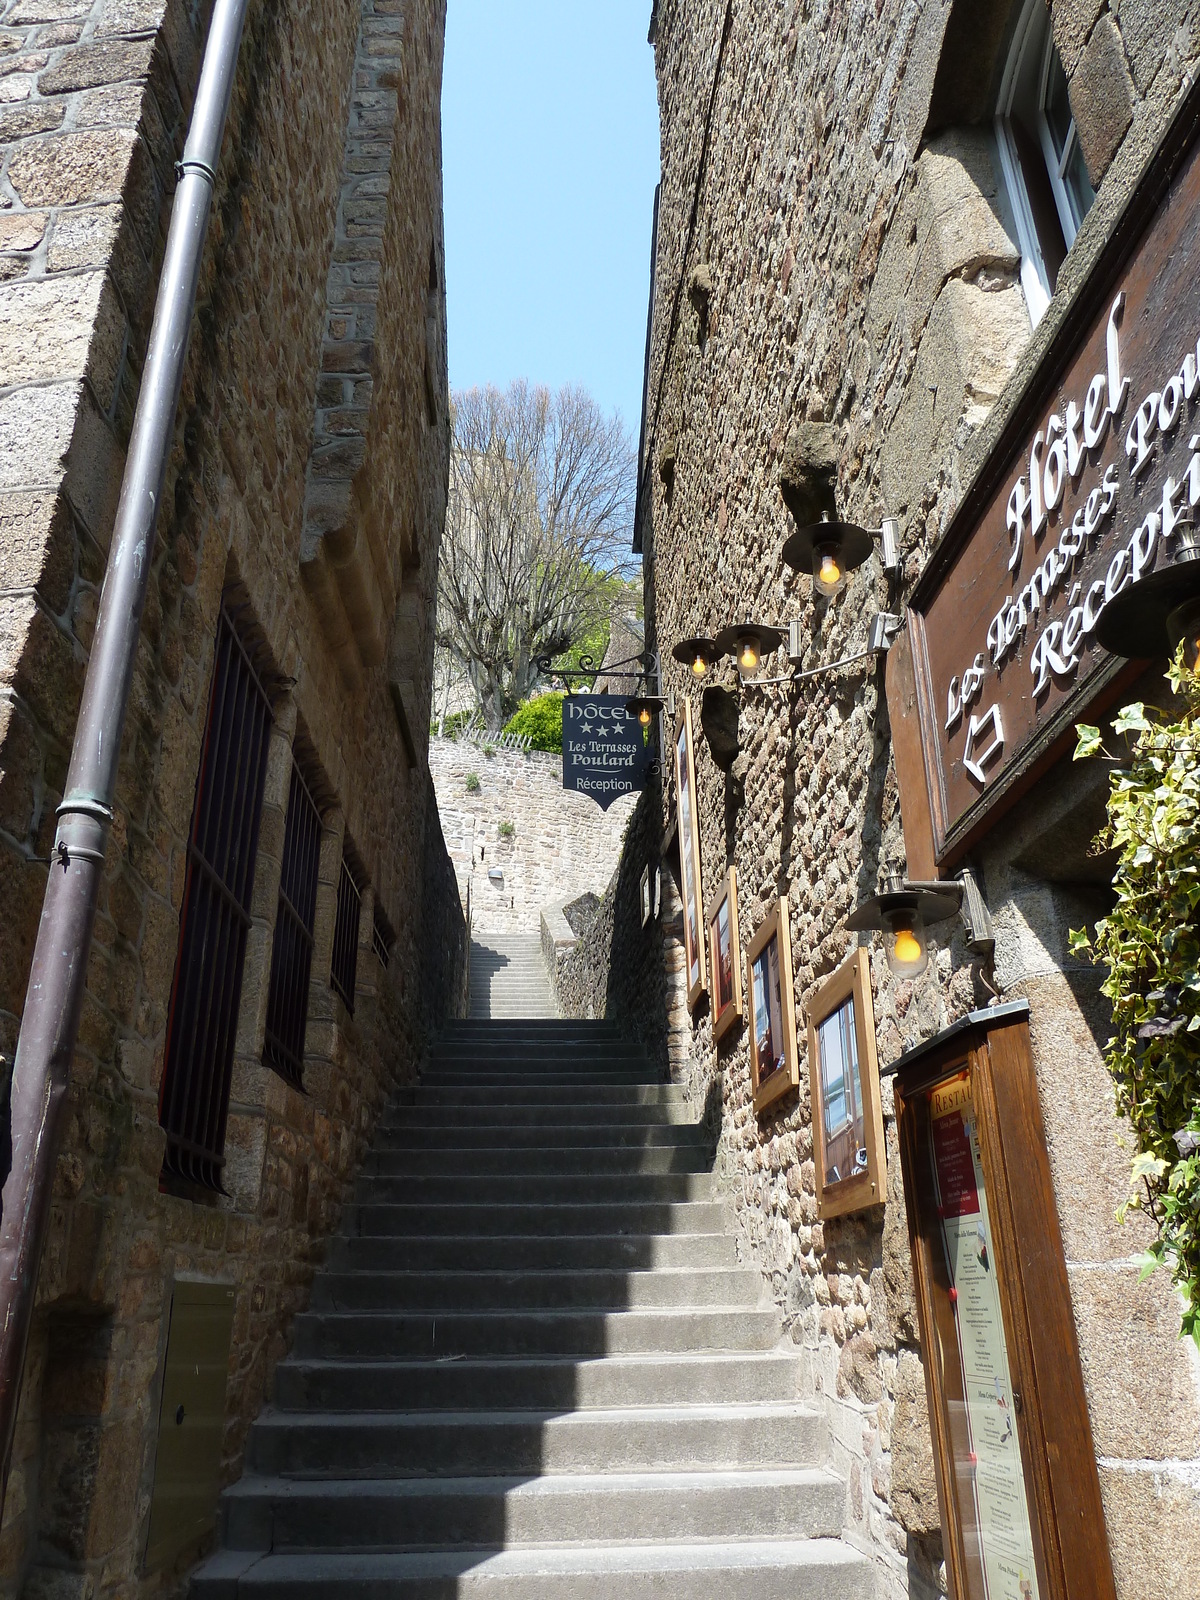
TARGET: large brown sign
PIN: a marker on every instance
(1085, 495)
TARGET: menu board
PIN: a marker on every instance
(991, 1474)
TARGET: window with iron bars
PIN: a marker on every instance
(291, 954)
(381, 938)
(215, 917)
(344, 972)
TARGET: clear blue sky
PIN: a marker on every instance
(550, 132)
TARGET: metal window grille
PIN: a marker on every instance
(215, 916)
(380, 940)
(291, 955)
(344, 972)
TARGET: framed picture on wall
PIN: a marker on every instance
(848, 1148)
(689, 856)
(725, 956)
(649, 895)
(774, 1060)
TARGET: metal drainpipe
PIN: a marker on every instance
(54, 1000)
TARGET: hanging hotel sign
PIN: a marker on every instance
(1095, 476)
(604, 751)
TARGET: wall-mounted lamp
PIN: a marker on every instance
(832, 550)
(645, 707)
(1152, 617)
(698, 654)
(748, 643)
(904, 912)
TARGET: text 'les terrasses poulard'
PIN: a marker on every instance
(1057, 458)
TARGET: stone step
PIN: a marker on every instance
(583, 1079)
(545, 1383)
(282, 1514)
(541, 1291)
(533, 1368)
(548, 1189)
(531, 1252)
(370, 1444)
(509, 1129)
(535, 1029)
(510, 1158)
(443, 1335)
(776, 1569)
(536, 1051)
(634, 1101)
(696, 1216)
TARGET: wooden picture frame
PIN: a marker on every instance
(771, 1004)
(690, 888)
(843, 1076)
(725, 956)
(1015, 1459)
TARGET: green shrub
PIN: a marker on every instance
(540, 721)
(453, 725)
(507, 829)
(1150, 944)
(472, 783)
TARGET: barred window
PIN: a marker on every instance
(382, 938)
(215, 917)
(291, 954)
(344, 972)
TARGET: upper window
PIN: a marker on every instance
(215, 916)
(343, 972)
(1043, 166)
(291, 953)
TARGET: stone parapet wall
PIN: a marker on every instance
(620, 969)
(94, 101)
(562, 844)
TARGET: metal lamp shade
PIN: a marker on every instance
(1134, 623)
(854, 544)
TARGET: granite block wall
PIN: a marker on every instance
(94, 100)
(834, 253)
(561, 845)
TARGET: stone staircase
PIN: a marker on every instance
(509, 978)
(533, 1369)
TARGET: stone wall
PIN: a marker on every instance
(644, 988)
(832, 252)
(333, 136)
(562, 844)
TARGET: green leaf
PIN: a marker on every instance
(1132, 719)
(1148, 1263)
(1090, 743)
(1147, 1165)
(1079, 941)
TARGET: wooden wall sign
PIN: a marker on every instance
(725, 956)
(1094, 476)
(1020, 1496)
(843, 1079)
(689, 857)
(771, 1001)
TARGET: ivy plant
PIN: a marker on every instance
(1150, 945)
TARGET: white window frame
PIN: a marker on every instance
(1056, 165)
(1033, 32)
(1035, 280)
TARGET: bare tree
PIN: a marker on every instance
(539, 519)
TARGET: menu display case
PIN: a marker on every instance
(1020, 1497)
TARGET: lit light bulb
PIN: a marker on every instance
(907, 953)
(644, 716)
(907, 946)
(828, 574)
(699, 667)
(748, 656)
